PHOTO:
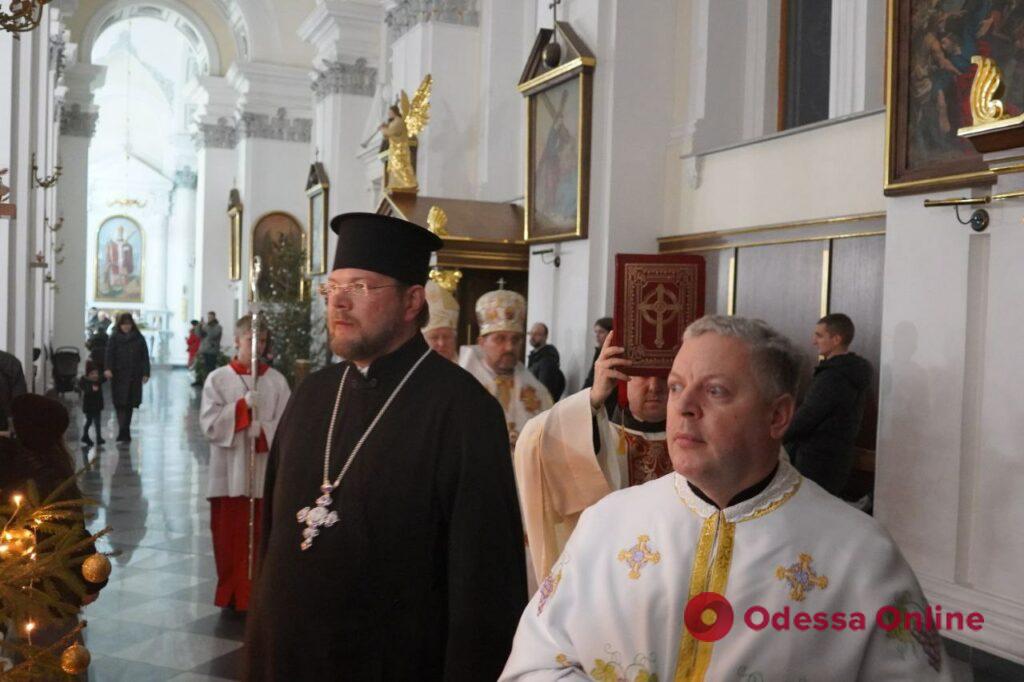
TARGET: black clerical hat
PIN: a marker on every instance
(390, 246)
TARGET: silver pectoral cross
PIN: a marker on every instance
(315, 517)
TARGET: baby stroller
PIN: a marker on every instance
(65, 369)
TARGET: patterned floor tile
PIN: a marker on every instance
(180, 650)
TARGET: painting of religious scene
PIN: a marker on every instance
(931, 81)
(119, 259)
(556, 161)
(278, 239)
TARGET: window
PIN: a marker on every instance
(804, 62)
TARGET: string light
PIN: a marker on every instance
(16, 499)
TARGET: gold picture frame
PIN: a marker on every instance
(923, 154)
(235, 237)
(318, 191)
(558, 130)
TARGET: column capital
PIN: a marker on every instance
(336, 77)
(264, 89)
(213, 119)
(344, 31)
(402, 15)
(185, 178)
(78, 114)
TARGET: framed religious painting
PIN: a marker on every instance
(317, 188)
(119, 261)
(280, 241)
(558, 84)
(929, 85)
(235, 237)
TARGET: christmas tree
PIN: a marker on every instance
(46, 557)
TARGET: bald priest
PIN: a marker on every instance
(393, 546)
(734, 566)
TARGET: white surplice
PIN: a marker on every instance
(229, 449)
(559, 474)
(612, 606)
(521, 394)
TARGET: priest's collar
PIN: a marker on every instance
(762, 498)
(741, 496)
(396, 363)
(625, 418)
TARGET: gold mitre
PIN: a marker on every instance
(444, 309)
(501, 311)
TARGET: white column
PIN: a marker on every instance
(22, 279)
(504, 46)
(181, 252)
(857, 56)
(347, 37)
(77, 125)
(215, 137)
(8, 83)
(443, 41)
(275, 110)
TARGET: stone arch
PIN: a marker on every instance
(175, 12)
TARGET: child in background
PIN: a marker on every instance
(192, 341)
(92, 403)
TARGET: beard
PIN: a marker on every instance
(366, 345)
(506, 364)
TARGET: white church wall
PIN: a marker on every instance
(949, 431)
(447, 156)
(504, 46)
(829, 171)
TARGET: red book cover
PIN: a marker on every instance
(656, 297)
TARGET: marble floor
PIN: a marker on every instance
(156, 620)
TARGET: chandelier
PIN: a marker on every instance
(23, 15)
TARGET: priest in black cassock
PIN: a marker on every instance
(396, 553)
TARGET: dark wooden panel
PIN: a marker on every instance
(856, 290)
(781, 284)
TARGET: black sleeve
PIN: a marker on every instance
(826, 395)
(144, 360)
(486, 551)
(270, 479)
(18, 386)
(547, 373)
(108, 355)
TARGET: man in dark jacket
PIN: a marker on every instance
(821, 436)
(543, 361)
(209, 347)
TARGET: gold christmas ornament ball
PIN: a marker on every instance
(75, 659)
(96, 568)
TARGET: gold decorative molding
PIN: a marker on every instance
(446, 279)
(988, 82)
(437, 221)
(987, 111)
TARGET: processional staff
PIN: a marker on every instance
(254, 369)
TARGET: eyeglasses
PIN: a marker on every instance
(351, 289)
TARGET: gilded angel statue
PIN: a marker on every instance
(405, 121)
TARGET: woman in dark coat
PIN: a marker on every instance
(127, 367)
